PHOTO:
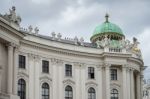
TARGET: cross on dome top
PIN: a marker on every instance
(106, 16)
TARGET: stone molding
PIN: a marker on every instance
(46, 77)
(69, 82)
(91, 83)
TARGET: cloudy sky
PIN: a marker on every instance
(79, 18)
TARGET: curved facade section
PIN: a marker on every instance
(57, 68)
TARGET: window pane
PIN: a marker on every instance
(91, 93)
(21, 88)
(45, 66)
(68, 92)
(22, 61)
(91, 73)
(45, 91)
(68, 70)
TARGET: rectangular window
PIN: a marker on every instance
(113, 74)
(45, 66)
(91, 74)
(68, 70)
(22, 61)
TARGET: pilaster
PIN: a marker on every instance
(16, 51)
(124, 74)
(100, 87)
(107, 73)
(128, 83)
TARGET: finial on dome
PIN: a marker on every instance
(106, 16)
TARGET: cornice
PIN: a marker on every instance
(6, 26)
(60, 50)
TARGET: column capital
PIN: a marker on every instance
(37, 58)
(99, 67)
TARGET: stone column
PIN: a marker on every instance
(15, 82)
(55, 78)
(31, 76)
(60, 78)
(107, 73)
(141, 81)
(128, 83)
(0, 78)
(36, 77)
(10, 69)
(124, 74)
(138, 85)
(132, 84)
(100, 87)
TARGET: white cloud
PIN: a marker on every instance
(144, 39)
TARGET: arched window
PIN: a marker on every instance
(68, 92)
(22, 88)
(91, 93)
(45, 91)
(114, 94)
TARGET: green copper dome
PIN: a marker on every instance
(107, 27)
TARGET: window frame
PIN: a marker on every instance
(91, 73)
(45, 93)
(22, 88)
(114, 74)
(91, 93)
(45, 66)
(114, 94)
(68, 92)
(22, 61)
(68, 70)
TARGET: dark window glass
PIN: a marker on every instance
(91, 74)
(45, 91)
(113, 74)
(68, 92)
(68, 70)
(22, 61)
(45, 66)
(91, 93)
(22, 89)
(114, 94)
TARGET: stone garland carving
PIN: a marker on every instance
(69, 82)
(56, 61)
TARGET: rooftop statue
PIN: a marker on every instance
(12, 16)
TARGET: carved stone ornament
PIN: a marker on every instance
(69, 82)
(56, 61)
(12, 16)
(91, 83)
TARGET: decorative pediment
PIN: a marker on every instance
(91, 83)
(69, 82)
(45, 77)
(23, 73)
(115, 84)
